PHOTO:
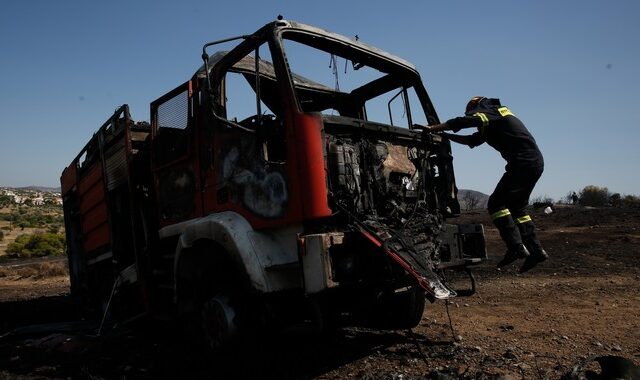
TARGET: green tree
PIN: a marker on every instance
(631, 201)
(5, 200)
(42, 244)
(594, 196)
(615, 200)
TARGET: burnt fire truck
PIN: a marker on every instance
(285, 181)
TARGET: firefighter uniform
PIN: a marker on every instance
(497, 126)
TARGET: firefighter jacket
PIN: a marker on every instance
(499, 128)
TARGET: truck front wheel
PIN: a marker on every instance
(209, 296)
(218, 322)
(398, 310)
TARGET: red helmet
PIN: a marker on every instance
(473, 102)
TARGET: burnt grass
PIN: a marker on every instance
(582, 303)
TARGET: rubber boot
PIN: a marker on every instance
(530, 240)
(517, 252)
(511, 236)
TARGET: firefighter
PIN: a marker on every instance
(499, 128)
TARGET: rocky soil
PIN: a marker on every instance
(584, 302)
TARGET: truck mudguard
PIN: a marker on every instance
(265, 257)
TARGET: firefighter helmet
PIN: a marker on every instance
(473, 103)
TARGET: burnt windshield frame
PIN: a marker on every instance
(406, 76)
(250, 44)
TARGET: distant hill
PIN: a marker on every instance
(465, 196)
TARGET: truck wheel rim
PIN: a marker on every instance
(217, 320)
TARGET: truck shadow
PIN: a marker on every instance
(152, 350)
(36, 310)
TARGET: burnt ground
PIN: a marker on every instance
(584, 302)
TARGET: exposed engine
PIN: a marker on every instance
(381, 185)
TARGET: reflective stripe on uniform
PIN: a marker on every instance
(500, 214)
(504, 111)
(523, 219)
(483, 117)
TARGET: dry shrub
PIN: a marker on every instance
(36, 271)
(20, 272)
(26, 271)
(52, 269)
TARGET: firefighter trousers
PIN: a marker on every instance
(507, 206)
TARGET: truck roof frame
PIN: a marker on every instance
(238, 60)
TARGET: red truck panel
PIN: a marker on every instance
(68, 179)
(97, 238)
(93, 208)
(94, 218)
(311, 177)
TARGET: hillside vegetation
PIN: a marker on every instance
(31, 230)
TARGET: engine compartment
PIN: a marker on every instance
(385, 182)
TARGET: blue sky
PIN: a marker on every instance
(569, 69)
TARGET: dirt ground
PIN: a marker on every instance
(583, 302)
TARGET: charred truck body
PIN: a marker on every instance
(259, 195)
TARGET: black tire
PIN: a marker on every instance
(210, 289)
(396, 311)
(217, 323)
